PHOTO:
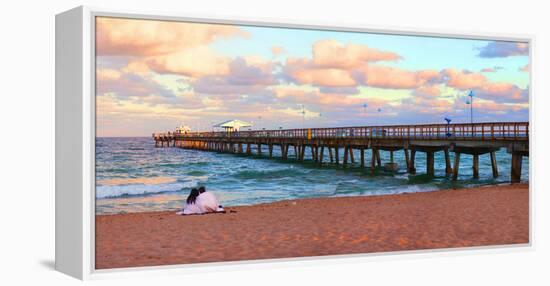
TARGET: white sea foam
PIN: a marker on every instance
(113, 191)
(406, 189)
(134, 181)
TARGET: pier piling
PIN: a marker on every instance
(448, 168)
(346, 151)
(456, 167)
(412, 168)
(430, 163)
(494, 164)
(516, 167)
(362, 150)
(475, 166)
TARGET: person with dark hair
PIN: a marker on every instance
(191, 206)
(208, 202)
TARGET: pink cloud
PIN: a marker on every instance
(333, 64)
(498, 91)
(428, 90)
(277, 50)
(135, 37)
(138, 67)
(193, 62)
(332, 54)
(107, 75)
(125, 85)
(425, 105)
(297, 95)
(304, 71)
(390, 77)
(244, 76)
(502, 92)
(462, 79)
(490, 106)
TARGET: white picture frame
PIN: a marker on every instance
(75, 133)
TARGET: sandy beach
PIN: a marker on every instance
(493, 215)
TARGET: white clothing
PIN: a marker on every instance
(190, 209)
(207, 202)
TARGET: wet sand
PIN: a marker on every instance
(493, 215)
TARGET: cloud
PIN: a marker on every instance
(128, 84)
(502, 92)
(351, 67)
(304, 71)
(395, 78)
(463, 79)
(491, 69)
(498, 91)
(221, 86)
(503, 49)
(426, 105)
(277, 50)
(155, 71)
(244, 76)
(484, 108)
(137, 67)
(318, 97)
(165, 46)
(135, 37)
(193, 62)
(107, 75)
(339, 90)
(427, 90)
(250, 71)
(334, 64)
(332, 54)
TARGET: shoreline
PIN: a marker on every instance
(290, 200)
(480, 216)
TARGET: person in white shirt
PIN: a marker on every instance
(191, 206)
(207, 202)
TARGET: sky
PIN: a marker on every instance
(152, 76)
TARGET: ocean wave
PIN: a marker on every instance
(135, 181)
(197, 173)
(183, 164)
(115, 191)
(266, 174)
(405, 189)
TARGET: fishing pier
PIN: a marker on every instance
(339, 143)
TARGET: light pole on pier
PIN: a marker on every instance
(365, 105)
(471, 103)
(303, 116)
(448, 133)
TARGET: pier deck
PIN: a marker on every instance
(472, 139)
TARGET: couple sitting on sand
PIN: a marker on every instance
(200, 201)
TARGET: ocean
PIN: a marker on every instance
(134, 176)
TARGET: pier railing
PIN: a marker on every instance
(489, 131)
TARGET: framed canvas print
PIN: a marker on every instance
(183, 141)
